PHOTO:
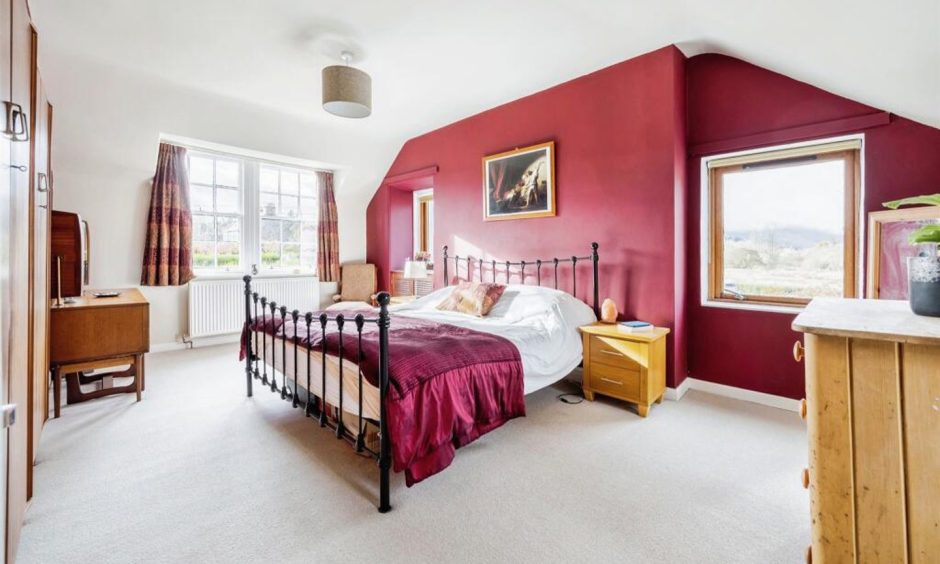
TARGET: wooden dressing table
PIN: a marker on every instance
(95, 333)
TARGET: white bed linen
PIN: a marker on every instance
(542, 323)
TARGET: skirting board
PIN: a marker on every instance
(771, 400)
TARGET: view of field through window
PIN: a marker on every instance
(784, 230)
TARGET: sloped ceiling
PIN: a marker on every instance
(434, 61)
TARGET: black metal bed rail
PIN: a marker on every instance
(316, 406)
(506, 268)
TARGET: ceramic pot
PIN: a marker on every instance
(924, 284)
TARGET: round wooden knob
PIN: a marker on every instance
(809, 554)
(805, 478)
(798, 351)
(803, 409)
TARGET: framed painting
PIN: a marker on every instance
(889, 249)
(519, 184)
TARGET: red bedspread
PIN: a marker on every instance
(447, 385)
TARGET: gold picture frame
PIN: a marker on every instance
(519, 184)
(888, 249)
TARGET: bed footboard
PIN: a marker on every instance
(313, 405)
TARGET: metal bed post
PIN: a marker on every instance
(308, 318)
(248, 351)
(295, 315)
(446, 279)
(385, 446)
(594, 259)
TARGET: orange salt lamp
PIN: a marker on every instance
(609, 311)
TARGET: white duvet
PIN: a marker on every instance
(542, 323)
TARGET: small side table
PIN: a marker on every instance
(626, 366)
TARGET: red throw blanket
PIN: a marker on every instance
(447, 385)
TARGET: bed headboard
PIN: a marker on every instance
(506, 268)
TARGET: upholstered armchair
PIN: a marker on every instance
(358, 283)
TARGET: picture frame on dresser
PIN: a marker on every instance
(889, 249)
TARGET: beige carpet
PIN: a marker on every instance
(198, 473)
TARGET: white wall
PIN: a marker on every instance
(106, 128)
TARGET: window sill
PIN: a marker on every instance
(261, 276)
(768, 308)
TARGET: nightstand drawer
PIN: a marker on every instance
(617, 381)
(617, 352)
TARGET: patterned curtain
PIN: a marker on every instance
(168, 257)
(327, 230)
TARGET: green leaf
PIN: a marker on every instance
(931, 200)
(929, 233)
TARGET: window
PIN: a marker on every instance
(282, 236)
(288, 217)
(215, 196)
(782, 225)
(424, 223)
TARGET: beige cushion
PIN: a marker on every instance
(474, 298)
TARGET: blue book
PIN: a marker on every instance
(634, 326)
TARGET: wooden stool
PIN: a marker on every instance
(74, 375)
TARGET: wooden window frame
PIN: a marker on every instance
(715, 273)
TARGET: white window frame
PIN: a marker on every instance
(240, 215)
(705, 223)
(250, 255)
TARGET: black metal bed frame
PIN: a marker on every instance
(315, 406)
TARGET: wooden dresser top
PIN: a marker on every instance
(882, 320)
(128, 297)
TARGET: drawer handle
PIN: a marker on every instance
(798, 351)
(609, 381)
(605, 351)
(804, 477)
(803, 409)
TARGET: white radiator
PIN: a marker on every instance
(217, 307)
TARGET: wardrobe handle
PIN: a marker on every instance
(804, 478)
(803, 409)
(23, 133)
(798, 351)
(10, 122)
(42, 183)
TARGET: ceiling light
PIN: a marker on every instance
(347, 91)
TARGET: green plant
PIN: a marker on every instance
(929, 233)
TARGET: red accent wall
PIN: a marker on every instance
(620, 162)
(624, 180)
(729, 99)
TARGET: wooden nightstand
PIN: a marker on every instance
(627, 366)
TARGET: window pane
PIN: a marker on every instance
(784, 230)
(308, 257)
(200, 170)
(268, 179)
(203, 228)
(289, 207)
(228, 173)
(202, 255)
(308, 234)
(308, 185)
(200, 198)
(308, 208)
(270, 230)
(290, 255)
(229, 229)
(290, 231)
(268, 204)
(227, 201)
(289, 183)
(270, 254)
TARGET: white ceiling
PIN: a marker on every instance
(436, 61)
